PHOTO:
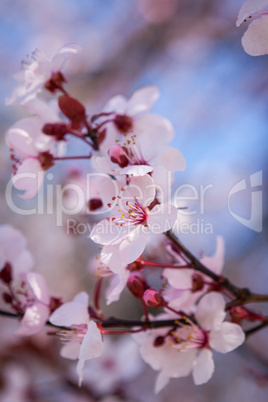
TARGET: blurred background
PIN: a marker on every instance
(216, 97)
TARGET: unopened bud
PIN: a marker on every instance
(94, 203)
(6, 273)
(238, 314)
(72, 109)
(135, 266)
(152, 298)
(118, 156)
(7, 298)
(58, 130)
(136, 286)
(159, 341)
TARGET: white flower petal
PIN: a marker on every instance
(39, 286)
(210, 311)
(141, 187)
(116, 286)
(107, 233)
(70, 350)
(92, 344)
(68, 314)
(255, 39)
(82, 298)
(227, 337)
(142, 100)
(134, 244)
(33, 320)
(116, 104)
(136, 170)
(215, 263)
(250, 7)
(203, 367)
(161, 382)
(179, 278)
(29, 177)
(161, 218)
(172, 159)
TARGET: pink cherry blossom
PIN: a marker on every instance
(188, 349)
(255, 38)
(33, 154)
(126, 231)
(83, 341)
(37, 72)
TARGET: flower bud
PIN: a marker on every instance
(118, 156)
(136, 286)
(57, 130)
(7, 298)
(238, 314)
(6, 273)
(197, 282)
(152, 298)
(159, 341)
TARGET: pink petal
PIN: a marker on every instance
(136, 170)
(29, 177)
(210, 311)
(116, 286)
(203, 367)
(250, 7)
(161, 382)
(161, 218)
(70, 350)
(107, 233)
(227, 337)
(141, 187)
(179, 278)
(142, 100)
(116, 104)
(82, 298)
(92, 344)
(133, 245)
(39, 286)
(34, 319)
(216, 262)
(110, 256)
(72, 313)
(172, 159)
(21, 141)
(255, 39)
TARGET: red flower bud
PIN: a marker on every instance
(197, 282)
(72, 109)
(7, 298)
(136, 286)
(55, 82)
(6, 273)
(152, 298)
(58, 130)
(118, 156)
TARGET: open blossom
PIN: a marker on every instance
(187, 349)
(38, 71)
(32, 153)
(124, 234)
(188, 285)
(82, 340)
(255, 39)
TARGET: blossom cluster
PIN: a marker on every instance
(127, 148)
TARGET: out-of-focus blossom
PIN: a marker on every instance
(125, 233)
(83, 340)
(35, 301)
(33, 154)
(119, 362)
(37, 72)
(13, 250)
(255, 39)
(188, 349)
